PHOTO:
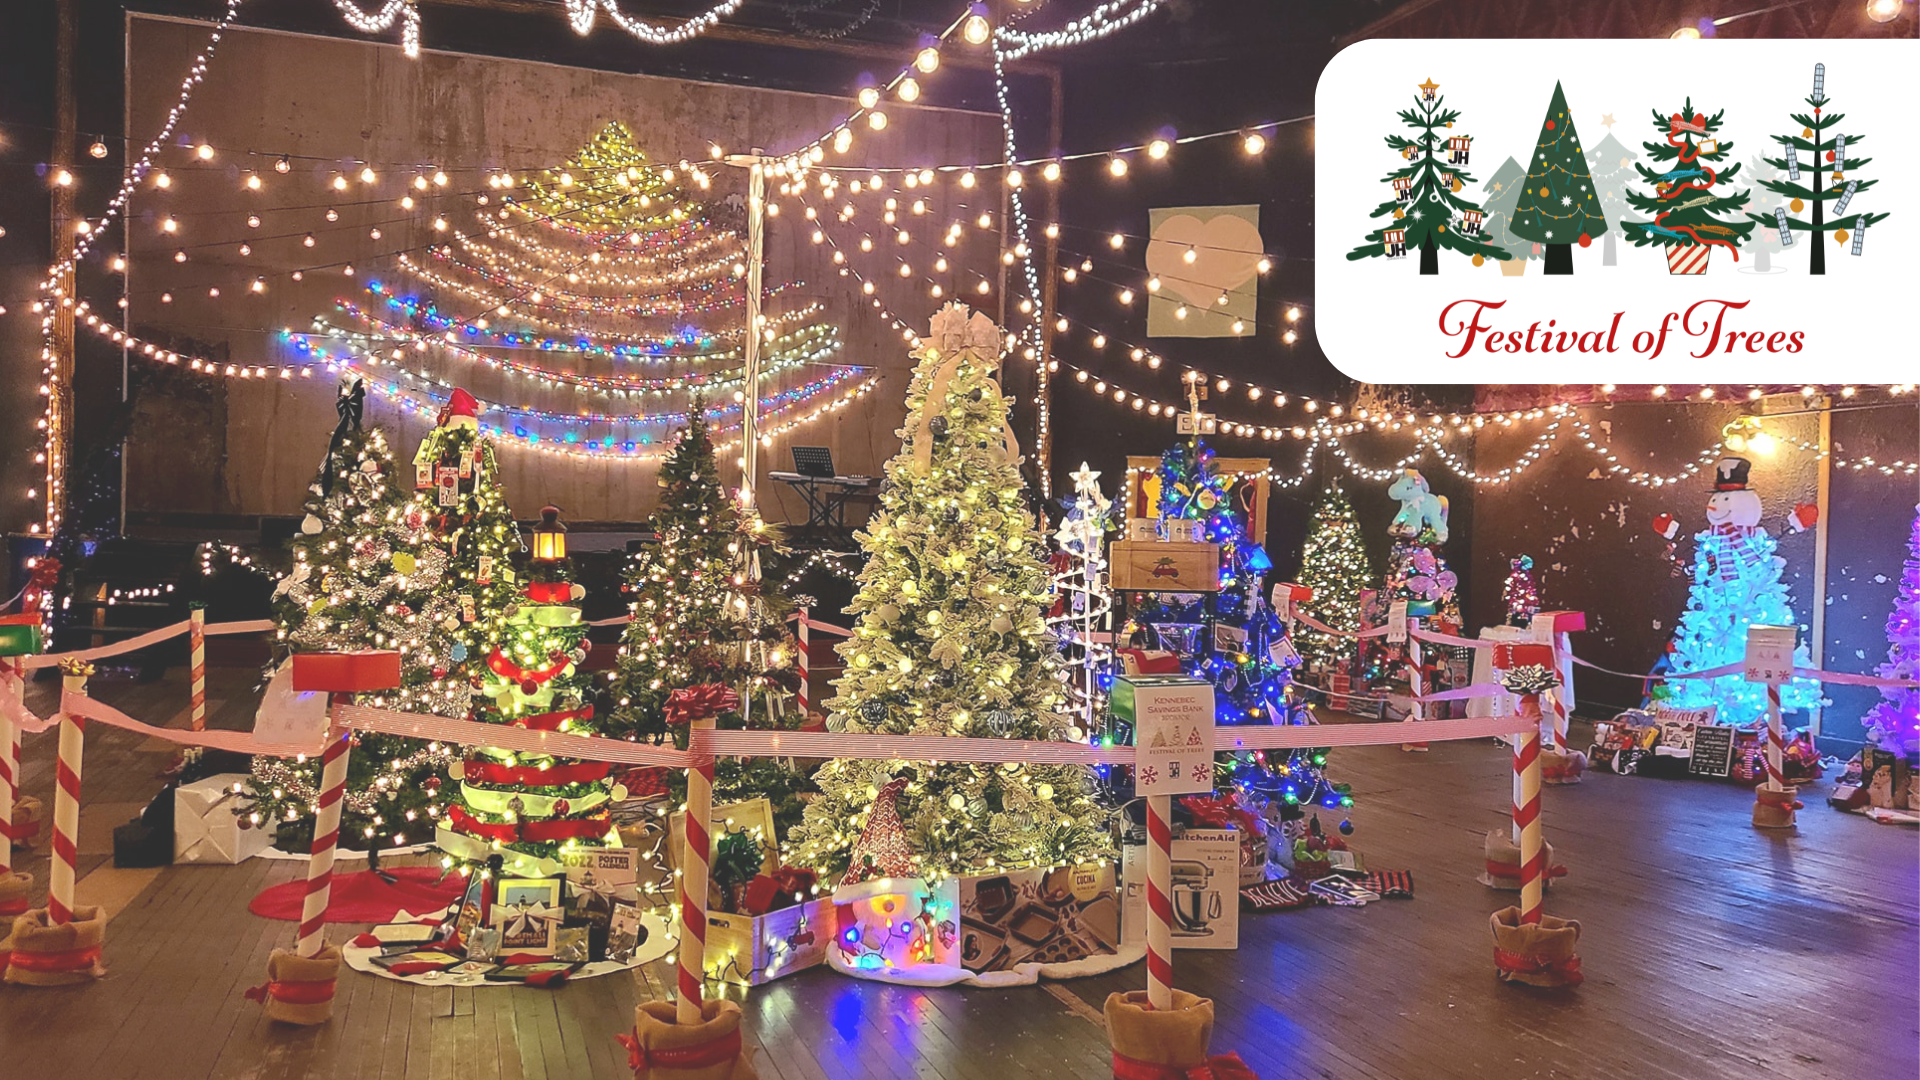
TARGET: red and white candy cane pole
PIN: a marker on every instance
(693, 879)
(66, 796)
(326, 835)
(1160, 901)
(804, 654)
(1776, 742)
(197, 666)
(1416, 682)
(1528, 669)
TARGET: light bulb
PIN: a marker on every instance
(928, 61)
(976, 29)
(1883, 10)
(1255, 142)
(877, 120)
(1117, 166)
(869, 96)
(908, 90)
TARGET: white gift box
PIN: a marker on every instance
(205, 827)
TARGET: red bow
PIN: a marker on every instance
(498, 663)
(704, 1056)
(699, 702)
(1218, 812)
(1515, 964)
(1219, 1067)
(1695, 126)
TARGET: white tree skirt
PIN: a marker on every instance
(656, 946)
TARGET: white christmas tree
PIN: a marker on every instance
(1895, 722)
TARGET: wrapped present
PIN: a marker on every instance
(210, 823)
(346, 672)
(21, 635)
(783, 888)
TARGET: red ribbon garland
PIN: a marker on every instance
(1219, 1067)
(62, 961)
(1216, 812)
(1688, 155)
(498, 663)
(586, 772)
(1515, 964)
(551, 721)
(547, 831)
(15, 907)
(699, 702)
(549, 592)
(313, 992)
(21, 831)
(704, 1056)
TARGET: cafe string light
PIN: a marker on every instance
(771, 403)
(383, 18)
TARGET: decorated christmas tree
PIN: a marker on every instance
(1427, 212)
(1082, 603)
(1558, 205)
(520, 639)
(1894, 724)
(1335, 566)
(700, 616)
(1737, 583)
(1827, 156)
(1416, 571)
(367, 573)
(1611, 163)
(1520, 592)
(1684, 167)
(1503, 194)
(950, 639)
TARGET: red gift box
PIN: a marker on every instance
(549, 592)
(1562, 622)
(785, 886)
(346, 672)
(1510, 655)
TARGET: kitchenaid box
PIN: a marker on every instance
(1205, 893)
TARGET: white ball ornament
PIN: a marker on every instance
(310, 525)
(457, 770)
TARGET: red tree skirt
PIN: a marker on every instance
(363, 897)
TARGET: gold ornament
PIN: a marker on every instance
(1806, 133)
(1479, 260)
(1840, 236)
(1796, 206)
(1398, 213)
(1439, 228)
(1543, 193)
(1457, 185)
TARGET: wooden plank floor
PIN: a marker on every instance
(1712, 951)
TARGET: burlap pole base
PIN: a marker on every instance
(46, 954)
(1562, 766)
(660, 1048)
(1167, 1044)
(28, 813)
(1774, 809)
(14, 891)
(299, 989)
(1541, 954)
(1503, 863)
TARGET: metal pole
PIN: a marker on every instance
(750, 371)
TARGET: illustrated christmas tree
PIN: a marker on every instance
(519, 641)
(1894, 724)
(1737, 583)
(950, 639)
(1335, 566)
(700, 617)
(1611, 163)
(1558, 205)
(1425, 211)
(1763, 243)
(367, 573)
(1520, 593)
(1828, 156)
(1684, 168)
(1503, 194)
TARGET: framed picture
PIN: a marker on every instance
(527, 911)
(431, 957)
(473, 967)
(523, 972)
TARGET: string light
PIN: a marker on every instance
(383, 18)
(580, 14)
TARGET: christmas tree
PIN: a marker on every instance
(1335, 566)
(1082, 602)
(519, 641)
(1610, 162)
(1895, 723)
(1689, 220)
(1763, 242)
(367, 573)
(1736, 584)
(1558, 205)
(701, 616)
(1827, 156)
(1417, 573)
(950, 640)
(1520, 592)
(1427, 210)
(1503, 194)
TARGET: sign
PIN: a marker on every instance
(1208, 260)
(1397, 622)
(1282, 653)
(1770, 654)
(1712, 751)
(1229, 639)
(1172, 718)
(1208, 423)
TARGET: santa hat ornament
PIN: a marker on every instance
(1730, 474)
(881, 865)
(461, 410)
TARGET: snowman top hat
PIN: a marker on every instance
(1730, 474)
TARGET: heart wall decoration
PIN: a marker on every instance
(1207, 259)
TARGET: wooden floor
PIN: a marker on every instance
(1712, 951)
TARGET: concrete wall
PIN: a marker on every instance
(224, 446)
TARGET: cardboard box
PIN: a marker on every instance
(1165, 567)
(749, 950)
(206, 828)
(1037, 916)
(1206, 890)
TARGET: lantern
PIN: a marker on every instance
(549, 537)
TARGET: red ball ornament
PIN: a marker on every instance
(1829, 155)
(1549, 125)
(1586, 240)
(529, 687)
(560, 806)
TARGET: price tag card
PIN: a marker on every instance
(1282, 653)
(1229, 639)
(1397, 622)
(1770, 652)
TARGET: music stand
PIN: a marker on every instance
(813, 461)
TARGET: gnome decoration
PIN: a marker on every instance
(884, 893)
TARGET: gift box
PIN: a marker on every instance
(21, 635)
(783, 888)
(749, 950)
(346, 672)
(1204, 890)
(210, 824)
(1037, 916)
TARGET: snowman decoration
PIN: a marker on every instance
(1733, 516)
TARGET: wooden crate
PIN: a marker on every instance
(1166, 567)
(753, 949)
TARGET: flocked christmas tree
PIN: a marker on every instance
(520, 639)
(1894, 724)
(1737, 583)
(1764, 242)
(1335, 566)
(1828, 156)
(950, 640)
(1427, 212)
(1684, 167)
(1611, 163)
(1503, 194)
(1520, 592)
(1558, 205)
(367, 573)
(700, 616)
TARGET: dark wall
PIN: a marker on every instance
(1873, 516)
